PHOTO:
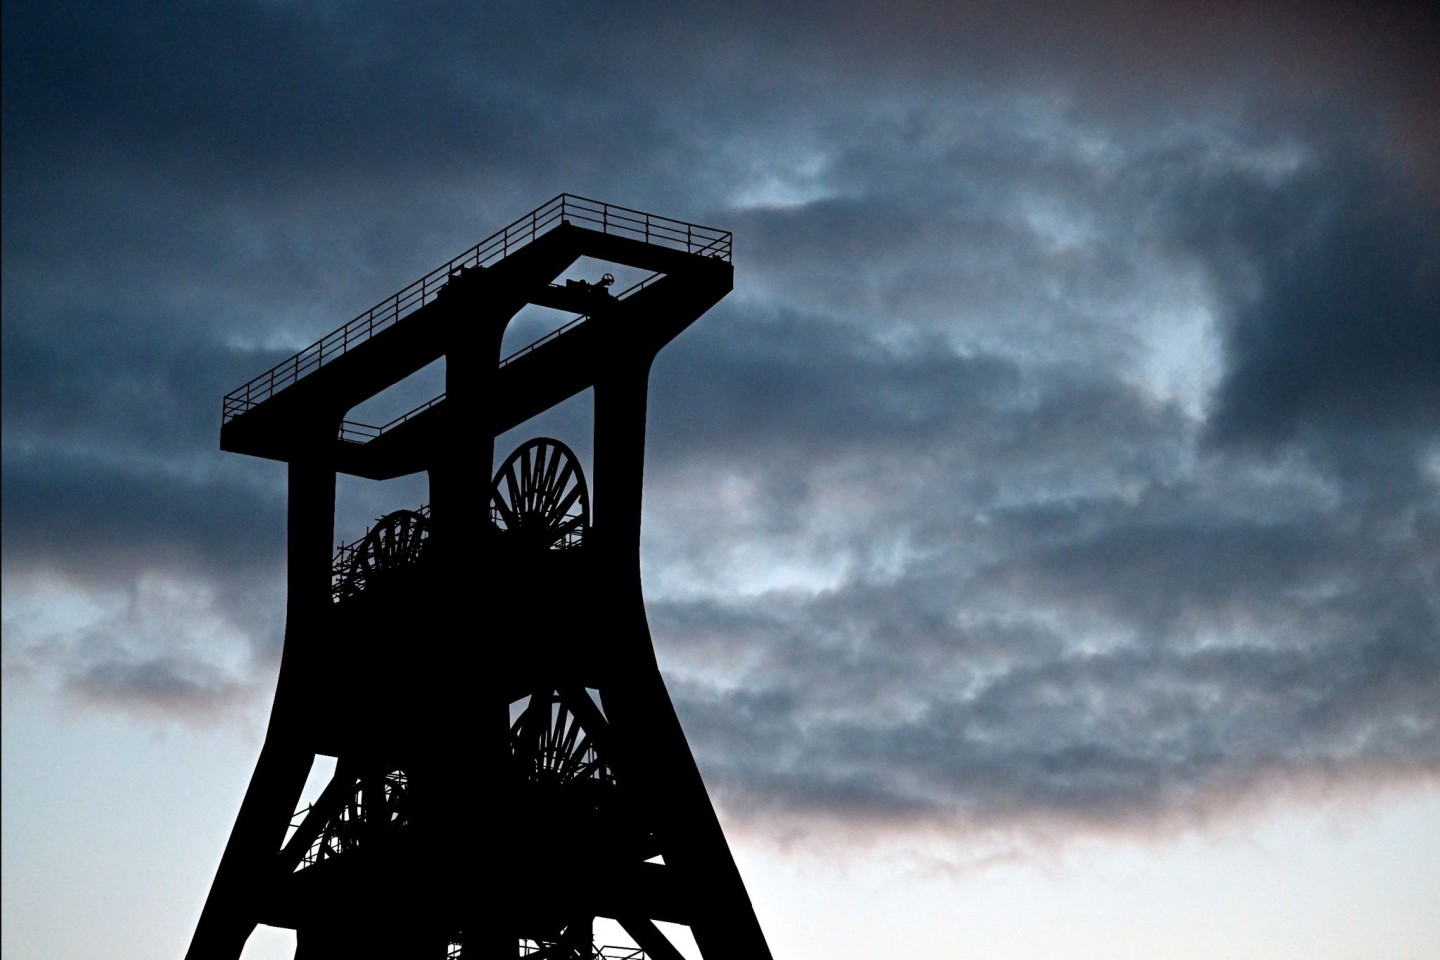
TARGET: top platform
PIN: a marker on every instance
(283, 412)
(607, 218)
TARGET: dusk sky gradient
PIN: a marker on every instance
(1041, 544)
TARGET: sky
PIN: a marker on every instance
(1041, 543)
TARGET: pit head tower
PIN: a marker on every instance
(508, 764)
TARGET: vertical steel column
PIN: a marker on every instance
(469, 747)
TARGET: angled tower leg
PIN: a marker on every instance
(231, 911)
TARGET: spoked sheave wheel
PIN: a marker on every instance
(551, 747)
(396, 540)
(539, 496)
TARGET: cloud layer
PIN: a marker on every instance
(1068, 451)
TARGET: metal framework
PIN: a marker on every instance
(509, 766)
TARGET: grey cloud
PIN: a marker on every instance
(179, 688)
(159, 643)
(1031, 584)
(1147, 729)
(111, 461)
(1122, 623)
(809, 382)
(115, 381)
(106, 520)
(1333, 311)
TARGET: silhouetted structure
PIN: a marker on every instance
(509, 763)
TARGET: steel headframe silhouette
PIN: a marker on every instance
(509, 766)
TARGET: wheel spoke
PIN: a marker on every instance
(540, 490)
(555, 488)
(397, 540)
(547, 483)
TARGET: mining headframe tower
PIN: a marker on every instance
(508, 763)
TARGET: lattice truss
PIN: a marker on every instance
(554, 753)
(374, 806)
(550, 749)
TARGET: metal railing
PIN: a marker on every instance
(606, 952)
(691, 238)
(352, 431)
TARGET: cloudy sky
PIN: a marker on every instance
(1042, 542)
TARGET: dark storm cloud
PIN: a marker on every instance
(1141, 612)
(1328, 264)
(1344, 335)
(246, 85)
(1087, 657)
(1081, 680)
(928, 538)
(258, 100)
(106, 520)
(809, 382)
(110, 421)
